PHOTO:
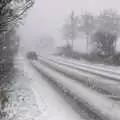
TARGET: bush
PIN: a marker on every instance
(104, 43)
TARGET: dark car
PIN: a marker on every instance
(32, 55)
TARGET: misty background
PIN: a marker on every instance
(48, 16)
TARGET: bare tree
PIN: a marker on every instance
(87, 25)
(66, 33)
(70, 29)
(109, 20)
(11, 12)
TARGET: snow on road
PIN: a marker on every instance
(111, 87)
(102, 67)
(81, 75)
(89, 68)
(103, 105)
(51, 105)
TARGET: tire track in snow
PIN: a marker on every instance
(55, 108)
(101, 108)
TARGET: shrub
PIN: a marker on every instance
(104, 43)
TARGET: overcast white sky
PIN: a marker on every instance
(47, 16)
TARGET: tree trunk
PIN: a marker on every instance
(87, 38)
(72, 47)
(72, 44)
(67, 42)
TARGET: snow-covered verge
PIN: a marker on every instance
(21, 103)
(98, 103)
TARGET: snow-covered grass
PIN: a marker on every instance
(98, 103)
(21, 103)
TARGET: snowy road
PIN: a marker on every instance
(51, 104)
(60, 75)
(104, 85)
(104, 71)
(60, 96)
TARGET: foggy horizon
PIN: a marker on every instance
(47, 18)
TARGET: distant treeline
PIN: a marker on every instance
(102, 32)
